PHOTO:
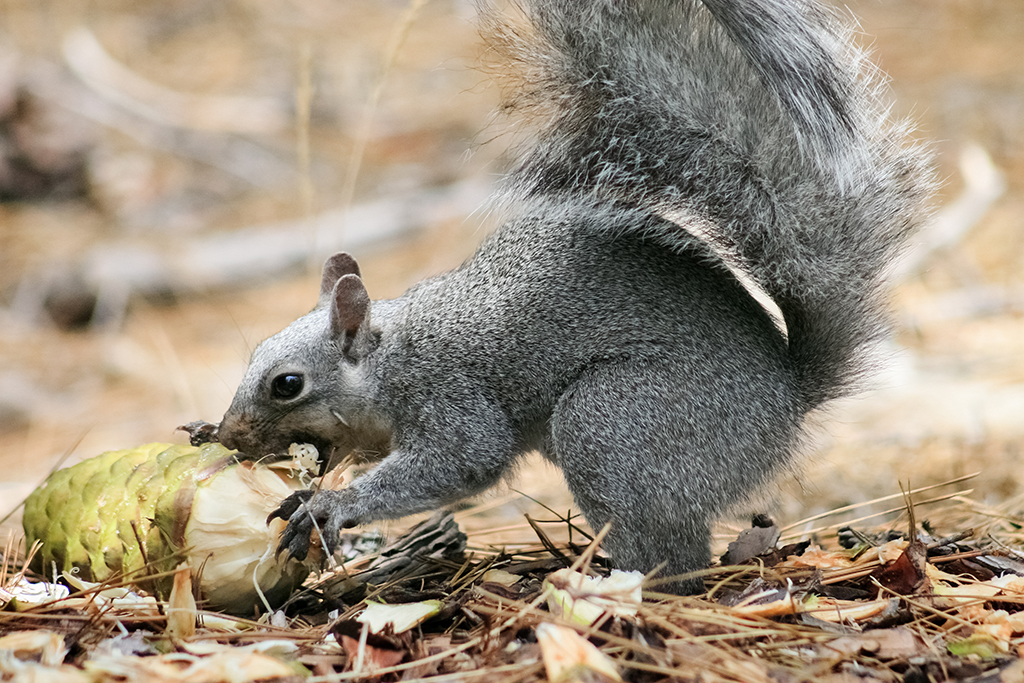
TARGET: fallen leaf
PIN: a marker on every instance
(891, 551)
(45, 647)
(569, 657)
(814, 556)
(906, 574)
(577, 597)
(25, 594)
(750, 543)
(401, 618)
(228, 666)
(181, 605)
(885, 644)
(378, 651)
(374, 658)
(499, 576)
(980, 644)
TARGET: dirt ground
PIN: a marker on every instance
(949, 402)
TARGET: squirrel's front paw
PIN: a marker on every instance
(326, 511)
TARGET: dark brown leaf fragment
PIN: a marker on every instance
(906, 575)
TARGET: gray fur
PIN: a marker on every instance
(592, 328)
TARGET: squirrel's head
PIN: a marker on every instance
(308, 383)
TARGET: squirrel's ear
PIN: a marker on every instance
(350, 307)
(337, 267)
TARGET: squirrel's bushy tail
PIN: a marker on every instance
(758, 119)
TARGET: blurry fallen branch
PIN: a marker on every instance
(983, 185)
(111, 79)
(106, 277)
(244, 158)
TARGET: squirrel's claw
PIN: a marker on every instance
(296, 536)
(306, 512)
(295, 539)
(290, 505)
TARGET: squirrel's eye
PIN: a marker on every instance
(286, 386)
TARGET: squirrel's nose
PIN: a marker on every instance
(230, 432)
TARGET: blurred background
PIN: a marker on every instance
(172, 173)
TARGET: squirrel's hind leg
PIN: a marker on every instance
(647, 446)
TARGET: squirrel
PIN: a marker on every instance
(678, 143)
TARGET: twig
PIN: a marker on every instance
(854, 506)
(930, 501)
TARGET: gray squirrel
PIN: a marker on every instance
(603, 324)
